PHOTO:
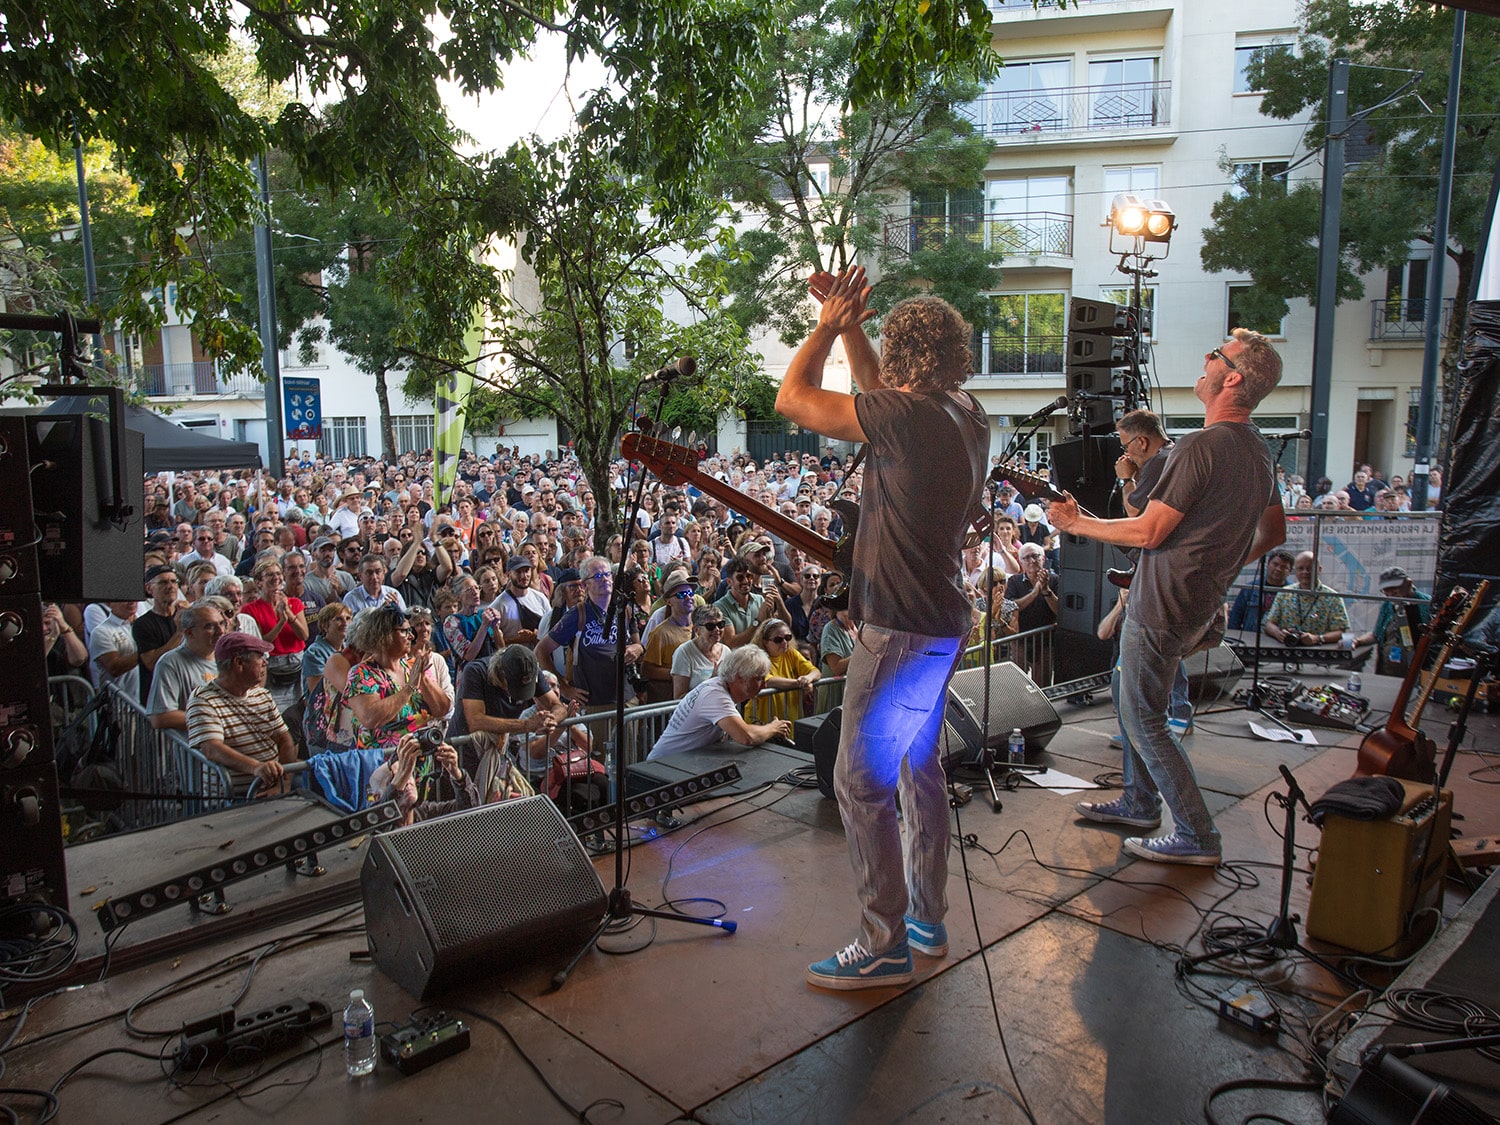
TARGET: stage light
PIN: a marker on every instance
(1149, 220)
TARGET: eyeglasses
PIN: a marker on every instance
(1219, 355)
(600, 577)
(406, 629)
(712, 626)
(685, 595)
(779, 640)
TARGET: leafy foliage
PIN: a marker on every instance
(1388, 201)
(870, 156)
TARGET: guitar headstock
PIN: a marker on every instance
(664, 458)
(1031, 485)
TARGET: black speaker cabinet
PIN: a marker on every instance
(1014, 701)
(1213, 674)
(476, 893)
(83, 556)
(823, 745)
(1086, 468)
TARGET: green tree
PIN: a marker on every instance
(40, 233)
(818, 177)
(601, 259)
(1271, 232)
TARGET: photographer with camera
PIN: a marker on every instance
(1311, 613)
(423, 768)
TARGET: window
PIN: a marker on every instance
(1031, 215)
(1124, 295)
(1406, 293)
(413, 432)
(937, 214)
(817, 174)
(1035, 451)
(1143, 180)
(1245, 54)
(1240, 319)
(343, 437)
(1026, 97)
(1270, 175)
(1122, 92)
(1028, 337)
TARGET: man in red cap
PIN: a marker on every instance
(234, 721)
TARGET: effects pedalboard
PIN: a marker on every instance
(423, 1042)
(1327, 706)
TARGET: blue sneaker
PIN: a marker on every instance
(1116, 812)
(1170, 849)
(927, 938)
(853, 967)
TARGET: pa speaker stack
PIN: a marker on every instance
(476, 893)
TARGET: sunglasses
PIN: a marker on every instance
(685, 595)
(712, 625)
(779, 640)
(1224, 359)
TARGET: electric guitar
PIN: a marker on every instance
(676, 464)
(1036, 487)
(1402, 749)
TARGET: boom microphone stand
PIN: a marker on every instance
(621, 906)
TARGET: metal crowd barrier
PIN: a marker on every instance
(181, 782)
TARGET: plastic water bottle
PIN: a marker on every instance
(1354, 683)
(359, 1035)
(1017, 748)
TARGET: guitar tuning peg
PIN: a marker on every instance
(643, 423)
(677, 435)
(691, 439)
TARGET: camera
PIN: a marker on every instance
(430, 738)
(1292, 640)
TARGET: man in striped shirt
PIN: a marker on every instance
(233, 720)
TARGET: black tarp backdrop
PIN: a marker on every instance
(1469, 544)
(170, 447)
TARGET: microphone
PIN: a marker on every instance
(1059, 403)
(681, 368)
(1295, 435)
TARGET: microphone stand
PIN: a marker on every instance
(620, 905)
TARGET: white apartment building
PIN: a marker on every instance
(1150, 97)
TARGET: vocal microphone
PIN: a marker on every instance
(1059, 403)
(1295, 435)
(681, 368)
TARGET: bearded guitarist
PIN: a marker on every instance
(927, 448)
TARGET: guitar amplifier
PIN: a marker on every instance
(1372, 876)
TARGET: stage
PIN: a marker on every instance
(684, 1022)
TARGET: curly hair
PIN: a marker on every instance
(925, 346)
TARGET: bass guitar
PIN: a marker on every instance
(1402, 749)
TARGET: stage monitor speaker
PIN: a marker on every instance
(1087, 468)
(1015, 701)
(81, 555)
(475, 893)
(1373, 875)
(824, 747)
(1213, 674)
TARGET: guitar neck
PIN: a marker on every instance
(671, 463)
(1446, 651)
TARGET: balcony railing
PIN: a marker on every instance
(1405, 319)
(1023, 355)
(158, 380)
(1075, 109)
(1016, 235)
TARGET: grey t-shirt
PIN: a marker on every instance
(1221, 479)
(178, 674)
(695, 722)
(924, 477)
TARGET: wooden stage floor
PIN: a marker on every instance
(1071, 944)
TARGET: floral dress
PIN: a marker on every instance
(372, 679)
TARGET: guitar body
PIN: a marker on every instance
(1385, 753)
(1401, 749)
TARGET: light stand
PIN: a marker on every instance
(1281, 934)
(620, 905)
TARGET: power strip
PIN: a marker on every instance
(216, 1036)
(423, 1042)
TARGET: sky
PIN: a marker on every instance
(535, 98)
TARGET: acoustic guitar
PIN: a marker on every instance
(1402, 749)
